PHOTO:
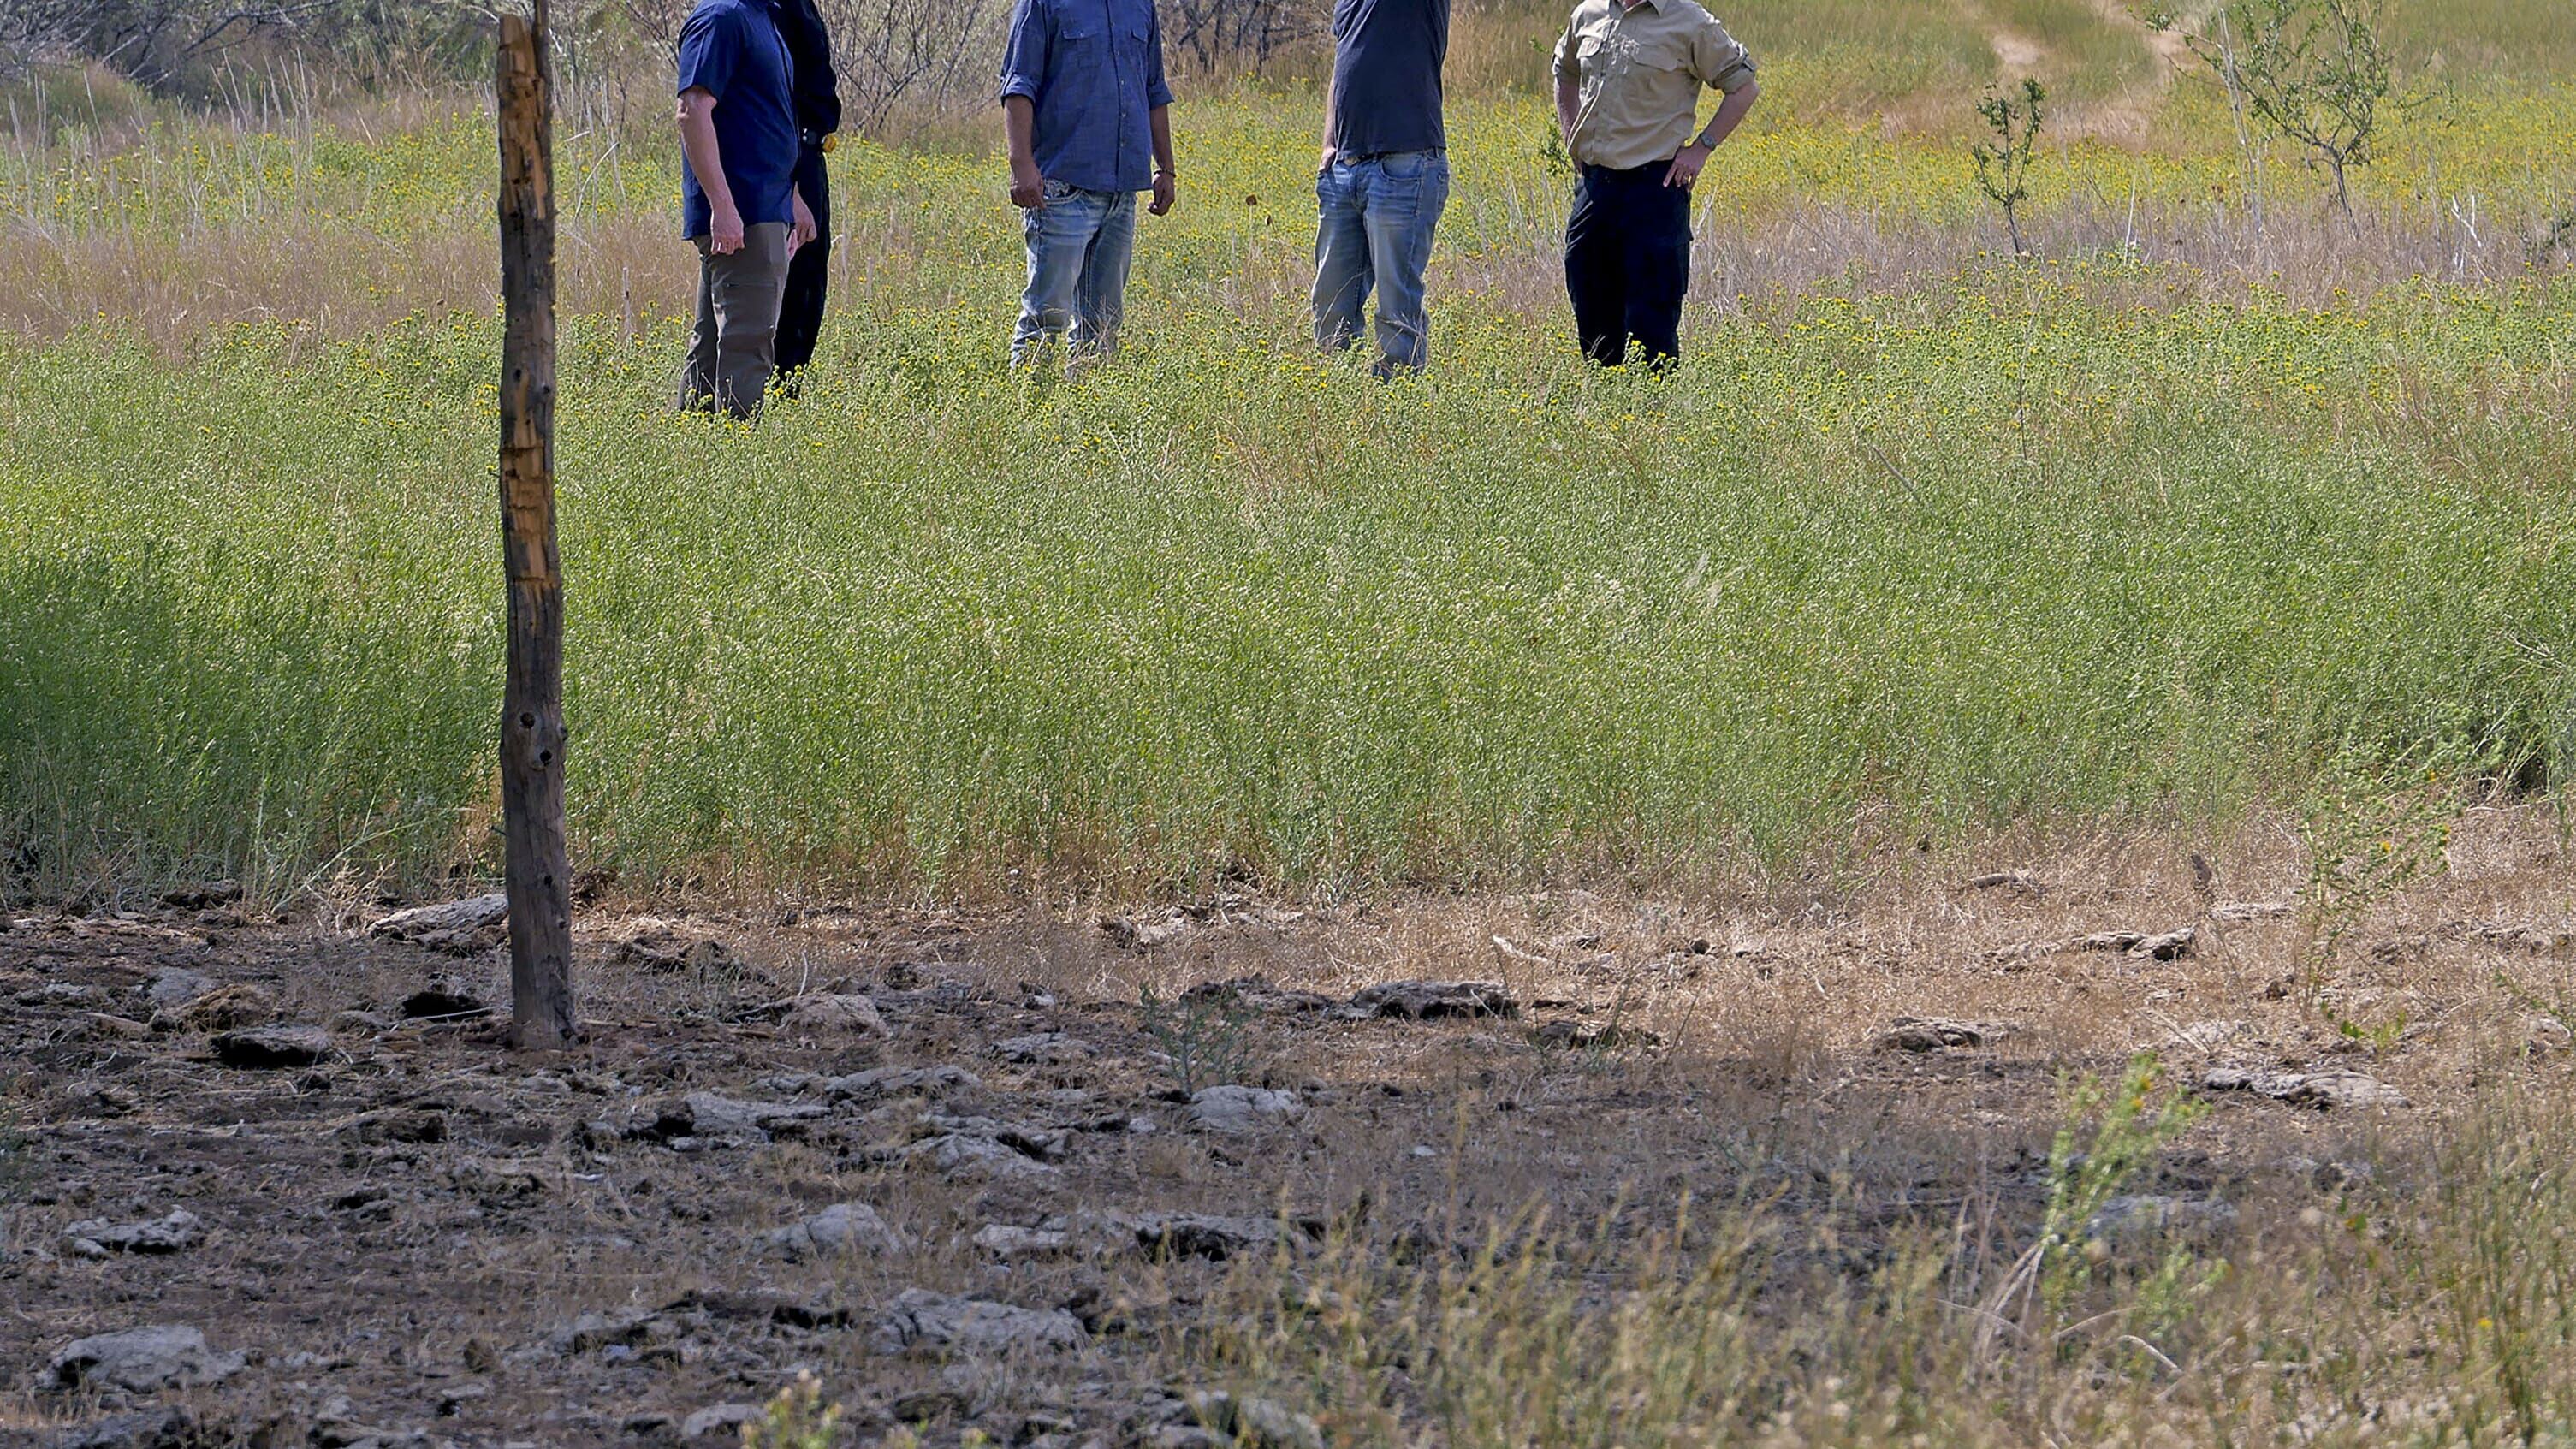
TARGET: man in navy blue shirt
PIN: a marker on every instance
(738, 198)
(1384, 178)
(1083, 103)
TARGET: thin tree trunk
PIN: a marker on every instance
(532, 729)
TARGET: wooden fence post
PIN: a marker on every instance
(532, 729)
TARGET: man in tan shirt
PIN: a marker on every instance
(1628, 78)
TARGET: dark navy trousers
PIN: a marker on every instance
(800, 311)
(1627, 263)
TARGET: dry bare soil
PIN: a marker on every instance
(397, 1232)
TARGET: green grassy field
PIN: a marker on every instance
(1920, 541)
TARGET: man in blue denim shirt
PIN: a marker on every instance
(1384, 177)
(1083, 102)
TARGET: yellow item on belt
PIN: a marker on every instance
(830, 141)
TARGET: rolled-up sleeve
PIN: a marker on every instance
(1569, 66)
(710, 44)
(1157, 92)
(1720, 60)
(1024, 54)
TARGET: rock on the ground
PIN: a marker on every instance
(141, 1361)
(97, 1237)
(174, 987)
(2170, 946)
(724, 1419)
(170, 1428)
(2321, 1090)
(465, 928)
(707, 1115)
(1004, 1242)
(442, 1002)
(844, 1227)
(971, 1156)
(1254, 993)
(2140, 1214)
(2239, 911)
(1236, 1111)
(1044, 1048)
(659, 948)
(227, 1008)
(1935, 1033)
(847, 1014)
(1251, 1423)
(921, 1319)
(1591, 1036)
(892, 1081)
(272, 1046)
(1434, 1000)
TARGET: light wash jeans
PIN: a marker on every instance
(1080, 243)
(1379, 214)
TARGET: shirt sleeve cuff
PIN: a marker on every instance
(1158, 96)
(1023, 86)
(1735, 77)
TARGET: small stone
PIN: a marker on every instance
(104, 1026)
(969, 1156)
(921, 1319)
(1255, 1423)
(2111, 940)
(173, 988)
(2171, 946)
(664, 950)
(454, 926)
(2204, 1036)
(202, 897)
(2320, 1090)
(705, 1115)
(2240, 911)
(1433, 1000)
(227, 1008)
(2141, 1214)
(1045, 1048)
(840, 1015)
(893, 1081)
(725, 1419)
(97, 1237)
(273, 1046)
(1934, 1033)
(1235, 1111)
(141, 1361)
(999, 1240)
(1586, 1036)
(442, 1003)
(842, 1228)
(170, 1428)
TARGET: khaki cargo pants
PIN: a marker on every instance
(736, 342)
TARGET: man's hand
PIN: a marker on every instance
(1028, 188)
(1686, 165)
(1167, 192)
(724, 231)
(1325, 163)
(800, 228)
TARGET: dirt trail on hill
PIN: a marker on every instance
(975, 1171)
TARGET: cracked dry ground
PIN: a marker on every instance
(949, 1162)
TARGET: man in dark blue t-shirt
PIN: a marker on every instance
(738, 198)
(1384, 178)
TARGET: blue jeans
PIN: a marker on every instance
(1379, 214)
(1080, 243)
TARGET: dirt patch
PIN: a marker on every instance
(992, 1180)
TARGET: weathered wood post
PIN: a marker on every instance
(532, 729)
